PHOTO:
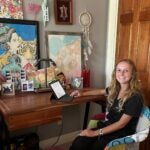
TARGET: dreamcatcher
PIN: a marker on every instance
(85, 21)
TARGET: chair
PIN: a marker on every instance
(131, 141)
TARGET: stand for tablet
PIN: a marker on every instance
(52, 96)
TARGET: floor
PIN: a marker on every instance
(61, 147)
(66, 146)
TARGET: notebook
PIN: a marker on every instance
(59, 92)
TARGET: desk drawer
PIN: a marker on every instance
(33, 118)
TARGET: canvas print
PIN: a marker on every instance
(11, 9)
(66, 51)
(19, 45)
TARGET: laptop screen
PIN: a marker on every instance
(57, 89)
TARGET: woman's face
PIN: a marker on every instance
(123, 72)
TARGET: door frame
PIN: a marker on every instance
(111, 38)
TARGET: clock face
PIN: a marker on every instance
(85, 19)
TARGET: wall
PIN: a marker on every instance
(98, 33)
(99, 11)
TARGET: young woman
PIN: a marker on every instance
(124, 107)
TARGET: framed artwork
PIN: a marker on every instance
(27, 86)
(63, 11)
(8, 89)
(11, 9)
(65, 49)
(19, 45)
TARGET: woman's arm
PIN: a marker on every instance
(124, 120)
(78, 93)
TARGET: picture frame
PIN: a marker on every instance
(19, 45)
(77, 82)
(66, 50)
(63, 10)
(7, 89)
(27, 86)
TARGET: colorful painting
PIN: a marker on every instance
(19, 45)
(66, 51)
(11, 9)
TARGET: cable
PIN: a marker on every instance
(59, 135)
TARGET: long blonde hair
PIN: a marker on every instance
(114, 87)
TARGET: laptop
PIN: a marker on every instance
(58, 92)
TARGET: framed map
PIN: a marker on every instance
(19, 45)
(65, 49)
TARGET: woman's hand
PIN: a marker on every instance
(76, 93)
(88, 133)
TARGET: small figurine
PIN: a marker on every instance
(61, 77)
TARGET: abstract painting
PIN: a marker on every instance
(65, 49)
(19, 45)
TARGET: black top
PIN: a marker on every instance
(132, 107)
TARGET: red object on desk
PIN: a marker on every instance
(86, 77)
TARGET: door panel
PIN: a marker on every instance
(124, 41)
(126, 5)
(144, 4)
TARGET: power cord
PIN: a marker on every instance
(59, 135)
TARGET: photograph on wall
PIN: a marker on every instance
(11, 9)
(65, 50)
(19, 45)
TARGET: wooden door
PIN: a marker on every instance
(133, 41)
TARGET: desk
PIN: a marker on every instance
(26, 110)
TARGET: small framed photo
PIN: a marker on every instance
(63, 11)
(8, 89)
(27, 86)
